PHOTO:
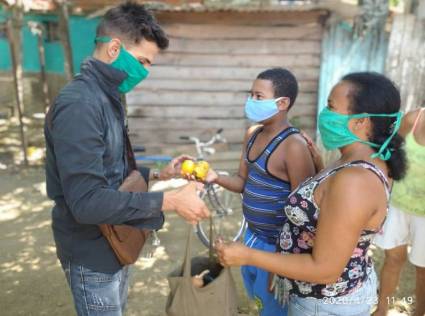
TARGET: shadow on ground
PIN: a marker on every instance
(32, 283)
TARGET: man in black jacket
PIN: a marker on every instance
(87, 162)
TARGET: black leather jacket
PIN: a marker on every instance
(85, 165)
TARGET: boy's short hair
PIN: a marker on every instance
(132, 22)
(284, 83)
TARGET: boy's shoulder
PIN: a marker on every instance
(296, 139)
(295, 144)
(251, 130)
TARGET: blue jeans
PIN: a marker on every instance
(256, 280)
(97, 293)
(358, 303)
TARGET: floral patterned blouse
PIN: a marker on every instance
(298, 233)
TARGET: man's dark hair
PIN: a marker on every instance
(284, 83)
(132, 22)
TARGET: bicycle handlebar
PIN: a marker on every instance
(215, 138)
(203, 147)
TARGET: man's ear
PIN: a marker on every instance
(283, 103)
(113, 49)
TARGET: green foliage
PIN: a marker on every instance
(394, 3)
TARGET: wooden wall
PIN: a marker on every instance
(406, 59)
(200, 83)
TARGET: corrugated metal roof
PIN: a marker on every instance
(287, 6)
(198, 7)
(158, 6)
(98, 7)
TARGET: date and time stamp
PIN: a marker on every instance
(409, 300)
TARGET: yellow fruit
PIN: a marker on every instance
(187, 167)
(203, 164)
(201, 170)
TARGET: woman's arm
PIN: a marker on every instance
(408, 121)
(346, 209)
(316, 155)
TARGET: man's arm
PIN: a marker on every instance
(146, 174)
(77, 133)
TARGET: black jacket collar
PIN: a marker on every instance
(108, 77)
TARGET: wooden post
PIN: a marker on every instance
(420, 11)
(65, 38)
(37, 30)
(406, 52)
(15, 41)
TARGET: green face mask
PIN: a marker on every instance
(335, 133)
(135, 71)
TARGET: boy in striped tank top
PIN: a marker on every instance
(275, 159)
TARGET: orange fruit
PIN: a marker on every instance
(187, 167)
(201, 170)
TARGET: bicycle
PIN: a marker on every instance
(225, 206)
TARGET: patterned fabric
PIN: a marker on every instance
(299, 231)
(265, 195)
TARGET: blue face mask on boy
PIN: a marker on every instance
(261, 110)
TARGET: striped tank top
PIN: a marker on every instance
(265, 195)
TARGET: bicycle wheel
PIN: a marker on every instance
(226, 211)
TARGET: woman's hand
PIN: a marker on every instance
(232, 254)
(314, 151)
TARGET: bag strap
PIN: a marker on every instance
(211, 260)
(415, 125)
(188, 253)
(129, 152)
(128, 149)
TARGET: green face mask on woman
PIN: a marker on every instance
(126, 62)
(335, 133)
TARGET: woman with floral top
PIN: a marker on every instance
(323, 264)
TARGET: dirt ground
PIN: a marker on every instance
(32, 283)
(31, 280)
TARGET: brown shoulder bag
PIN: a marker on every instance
(126, 241)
